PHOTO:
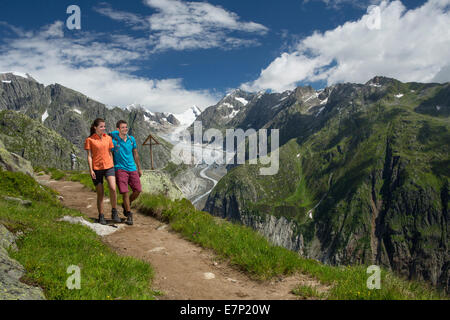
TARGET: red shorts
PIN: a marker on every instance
(125, 178)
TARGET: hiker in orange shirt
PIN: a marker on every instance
(99, 155)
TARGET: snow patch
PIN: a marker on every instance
(276, 106)
(320, 111)
(232, 114)
(6, 81)
(438, 108)
(226, 104)
(187, 117)
(315, 95)
(44, 116)
(324, 101)
(399, 95)
(241, 100)
(375, 85)
(76, 110)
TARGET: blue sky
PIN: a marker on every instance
(170, 54)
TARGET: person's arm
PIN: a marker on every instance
(138, 162)
(111, 148)
(89, 159)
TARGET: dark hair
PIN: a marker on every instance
(120, 122)
(96, 124)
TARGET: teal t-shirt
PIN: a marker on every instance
(123, 152)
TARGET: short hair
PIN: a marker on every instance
(120, 122)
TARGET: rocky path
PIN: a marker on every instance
(183, 270)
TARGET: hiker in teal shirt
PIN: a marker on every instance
(127, 167)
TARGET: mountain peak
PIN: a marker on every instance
(381, 80)
(17, 74)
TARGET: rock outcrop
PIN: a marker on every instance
(11, 271)
(13, 162)
(28, 139)
(159, 182)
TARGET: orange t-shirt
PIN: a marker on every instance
(101, 159)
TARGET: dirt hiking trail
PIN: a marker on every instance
(183, 270)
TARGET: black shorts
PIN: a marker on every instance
(99, 174)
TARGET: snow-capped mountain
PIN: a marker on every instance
(188, 116)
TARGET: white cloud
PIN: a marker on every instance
(337, 4)
(191, 25)
(410, 45)
(100, 70)
(135, 21)
(183, 25)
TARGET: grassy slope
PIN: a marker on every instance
(252, 253)
(48, 248)
(345, 160)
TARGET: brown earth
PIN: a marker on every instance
(183, 270)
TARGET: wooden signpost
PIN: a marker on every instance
(149, 142)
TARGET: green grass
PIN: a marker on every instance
(48, 247)
(56, 174)
(307, 292)
(252, 253)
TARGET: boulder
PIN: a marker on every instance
(11, 271)
(13, 162)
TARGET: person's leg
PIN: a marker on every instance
(134, 196)
(98, 183)
(99, 188)
(135, 184)
(112, 191)
(122, 183)
(126, 201)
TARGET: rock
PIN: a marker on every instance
(162, 227)
(29, 139)
(19, 201)
(11, 271)
(158, 182)
(12, 162)
(101, 230)
(208, 275)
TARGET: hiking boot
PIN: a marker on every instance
(115, 216)
(129, 218)
(101, 219)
